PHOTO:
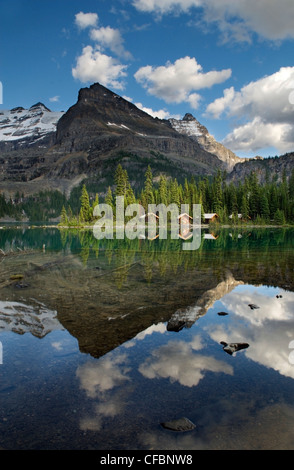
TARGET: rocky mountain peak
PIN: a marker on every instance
(103, 113)
(191, 127)
(20, 127)
(39, 106)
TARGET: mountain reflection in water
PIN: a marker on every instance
(128, 335)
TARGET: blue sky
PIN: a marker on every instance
(228, 62)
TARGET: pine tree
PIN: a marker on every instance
(63, 217)
(264, 207)
(162, 190)
(130, 197)
(218, 193)
(279, 217)
(174, 193)
(120, 179)
(186, 193)
(254, 195)
(245, 207)
(109, 198)
(96, 201)
(148, 187)
(85, 212)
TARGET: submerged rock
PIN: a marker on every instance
(230, 348)
(179, 425)
(176, 326)
(21, 285)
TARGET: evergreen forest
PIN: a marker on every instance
(248, 201)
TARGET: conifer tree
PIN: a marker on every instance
(218, 193)
(174, 193)
(120, 179)
(245, 207)
(148, 188)
(254, 195)
(279, 217)
(95, 203)
(109, 198)
(85, 212)
(162, 190)
(264, 207)
(63, 217)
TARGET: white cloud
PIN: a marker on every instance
(175, 82)
(177, 361)
(236, 19)
(111, 38)
(54, 99)
(166, 6)
(257, 135)
(265, 111)
(86, 20)
(160, 114)
(107, 373)
(93, 66)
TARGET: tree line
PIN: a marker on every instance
(250, 200)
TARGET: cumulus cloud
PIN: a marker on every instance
(86, 20)
(265, 111)
(107, 374)
(175, 82)
(177, 361)
(111, 38)
(94, 66)
(160, 114)
(54, 99)
(236, 19)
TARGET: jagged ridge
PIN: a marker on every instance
(192, 128)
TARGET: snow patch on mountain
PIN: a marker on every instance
(35, 123)
(22, 318)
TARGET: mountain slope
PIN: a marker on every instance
(20, 128)
(191, 127)
(101, 123)
(44, 150)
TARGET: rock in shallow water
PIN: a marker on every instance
(180, 425)
(253, 306)
(230, 348)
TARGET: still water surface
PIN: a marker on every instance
(102, 341)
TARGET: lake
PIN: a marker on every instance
(104, 341)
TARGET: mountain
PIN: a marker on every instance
(44, 150)
(20, 128)
(265, 168)
(102, 124)
(191, 127)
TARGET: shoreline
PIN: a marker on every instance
(21, 225)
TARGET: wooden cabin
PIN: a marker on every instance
(186, 235)
(210, 236)
(150, 217)
(185, 219)
(210, 218)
